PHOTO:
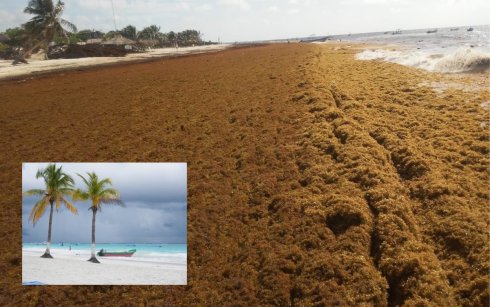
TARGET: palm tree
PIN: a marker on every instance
(58, 185)
(98, 192)
(47, 23)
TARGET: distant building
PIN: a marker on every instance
(118, 41)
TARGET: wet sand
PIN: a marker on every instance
(313, 178)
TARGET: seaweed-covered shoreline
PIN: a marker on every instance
(313, 178)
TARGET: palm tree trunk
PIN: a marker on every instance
(47, 253)
(93, 258)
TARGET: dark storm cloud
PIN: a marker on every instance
(154, 195)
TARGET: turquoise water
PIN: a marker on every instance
(141, 248)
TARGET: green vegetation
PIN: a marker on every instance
(46, 24)
(98, 193)
(47, 27)
(17, 36)
(58, 186)
(152, 37)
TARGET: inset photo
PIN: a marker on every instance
(104, 223)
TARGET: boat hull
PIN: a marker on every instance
(116, 254)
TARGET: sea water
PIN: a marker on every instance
(453, 49)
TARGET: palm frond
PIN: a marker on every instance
(84, 180)
(40, 173)
(68, 25)
(96, 191)
(105, 181)
(38, 210)
(80, 195)
(57, 201)
(57, 184)
(67, 190)
(58, 8)
(109, 192)
(113, 201)
(70, 206)
(34, 192)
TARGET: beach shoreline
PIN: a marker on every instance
(36, 68)
(72, 268)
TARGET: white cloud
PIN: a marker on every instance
(242, 4)
(15, 19)
(6, 16)
(272, 8)
(203, 7)
(97, 4)
(394, 2)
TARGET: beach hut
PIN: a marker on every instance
(4, 38)
(119, 41)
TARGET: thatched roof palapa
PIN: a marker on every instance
(94, 41)
(119, 40)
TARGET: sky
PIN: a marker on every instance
(155, 195)
(248, 20)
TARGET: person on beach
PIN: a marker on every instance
(70, 247)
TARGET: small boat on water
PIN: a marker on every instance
(396, 32)
(470, 29)
(104, 253)
(432, 31)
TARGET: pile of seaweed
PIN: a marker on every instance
(74, 51)
(313, 179)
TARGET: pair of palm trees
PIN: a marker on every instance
(60, 185)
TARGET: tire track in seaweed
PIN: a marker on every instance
(458, 244)
(411, 268)
(327, 259)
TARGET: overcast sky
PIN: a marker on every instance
(241, 20)
(155, 195)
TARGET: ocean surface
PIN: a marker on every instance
(173, 253)
(450, 50)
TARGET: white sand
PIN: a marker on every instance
(7, 70)
(72, 268)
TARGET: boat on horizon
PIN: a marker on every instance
(104, 253)
(432, 31)
(396, 32)
(470, 29)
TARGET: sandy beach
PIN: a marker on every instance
(9, 71)
(72, 268)
(313, 178)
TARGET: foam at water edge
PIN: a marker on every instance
(461, 60)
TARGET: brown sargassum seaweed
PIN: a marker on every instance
(314, 179)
